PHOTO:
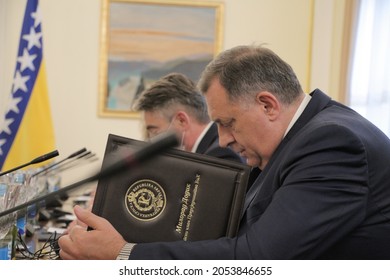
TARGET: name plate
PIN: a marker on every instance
(175, 195)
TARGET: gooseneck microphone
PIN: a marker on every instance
(161, 142)
(34, 161)
(83, 158)
(61, 161)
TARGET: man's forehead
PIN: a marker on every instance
(217, 103)
(154, 118)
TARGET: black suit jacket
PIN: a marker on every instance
(209, 145)
(325, 194)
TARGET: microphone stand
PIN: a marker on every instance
(61, 161)
(34, 161)
(73, 163)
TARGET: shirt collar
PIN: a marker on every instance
(200, 137)
(298, 113)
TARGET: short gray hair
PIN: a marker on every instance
(246, 70)
(171, 91)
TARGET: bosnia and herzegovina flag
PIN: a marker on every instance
(26, 131)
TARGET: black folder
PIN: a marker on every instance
(176, 195)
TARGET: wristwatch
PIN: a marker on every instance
(125, 252)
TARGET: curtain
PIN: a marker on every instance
(369, 92)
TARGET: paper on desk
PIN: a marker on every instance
(56, 229)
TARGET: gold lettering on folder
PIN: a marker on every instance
(188, 204)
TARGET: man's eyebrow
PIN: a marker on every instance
(151, 127)
(224, 120)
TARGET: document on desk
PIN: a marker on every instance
(175, 195)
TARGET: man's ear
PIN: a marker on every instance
(269, 104)
(182, 119)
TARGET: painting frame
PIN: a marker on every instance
(116, 53)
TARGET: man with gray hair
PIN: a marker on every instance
(174, 103)
(324, 187)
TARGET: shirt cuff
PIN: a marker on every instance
(125, 252)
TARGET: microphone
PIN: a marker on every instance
(61, 161)
(34, 161)
(160, 143)
(80, 160)
(75, 161)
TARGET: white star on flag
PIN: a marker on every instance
(20, 82)
(13, 104)
(26, 60)
(5, 125)
(2, 141)
(33, 38)
(37, 18)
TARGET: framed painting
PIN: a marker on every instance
(141, 41)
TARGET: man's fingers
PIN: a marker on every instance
(65, 244)
(102, 243)
(88, 218)
(65, 256)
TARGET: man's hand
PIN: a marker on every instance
(103, 242)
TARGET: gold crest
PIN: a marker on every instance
(145, 200)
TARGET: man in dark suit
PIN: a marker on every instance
(174, 103)
(324, 189)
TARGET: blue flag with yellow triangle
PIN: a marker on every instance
(26, 130)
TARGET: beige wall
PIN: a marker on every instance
(303, 32)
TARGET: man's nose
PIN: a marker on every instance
(225, 137)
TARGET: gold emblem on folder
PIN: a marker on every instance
(145, 200)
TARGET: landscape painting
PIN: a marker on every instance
(145, 40)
